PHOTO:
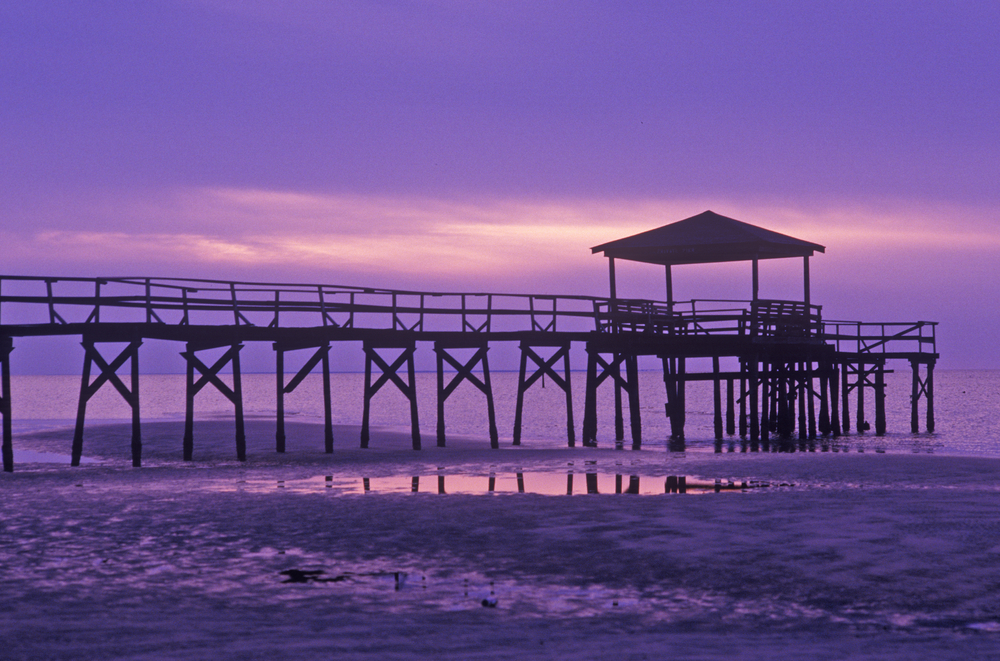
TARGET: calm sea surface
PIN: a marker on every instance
(967, 408)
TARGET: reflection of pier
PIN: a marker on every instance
(543, 483)
(787, 373)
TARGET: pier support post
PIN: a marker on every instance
(210, 375)
(717, 402)
(730, 408)
(880, 398)
(834, 400)
(674, 383)
(805, 402)
(408, 388)
(922, 388)
(743, 400)
(545, 366)
(809, 393)
(825, 388)
(6, 346)
(108, 374)
(845, 394)
(765, 406)
(752, 382)
(321, 355)
(929, 387)
(464, 373)
(862, 424)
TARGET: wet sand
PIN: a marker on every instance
(867, 556)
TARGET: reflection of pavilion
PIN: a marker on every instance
(784, 348)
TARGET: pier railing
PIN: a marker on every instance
(881, 338)
(28, 300)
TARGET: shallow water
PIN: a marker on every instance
(874, 548)
(966, 406)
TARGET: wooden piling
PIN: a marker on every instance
(755, 426)
(730, 408)
(743, 399)
(810, 396)
(834, 401)
(862, 372)
(930, 397)
(825, 387)
(6, 346)
(635, 413)
(717, 397)
(845, 392)
(880, 398)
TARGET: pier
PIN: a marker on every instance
(794, 379)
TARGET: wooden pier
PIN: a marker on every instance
(796, 376)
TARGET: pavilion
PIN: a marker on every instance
(705, 239)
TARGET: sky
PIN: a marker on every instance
(486, 146)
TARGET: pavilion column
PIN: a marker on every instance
(670, 289)
(805, 282)
(611, 277)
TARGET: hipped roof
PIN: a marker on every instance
(707, 238)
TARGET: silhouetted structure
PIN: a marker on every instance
(787, 354)
(784, 348)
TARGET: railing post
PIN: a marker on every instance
(322, 304)
(97, 301)
(52, 306)
(236, 309)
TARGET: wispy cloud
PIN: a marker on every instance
(503, 243)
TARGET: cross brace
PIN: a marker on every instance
(544, 366)
(629, 384)
(210, 375)
(408, 388)
(108, 374)
(464, 373)
(322, 354)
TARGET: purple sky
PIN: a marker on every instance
(458, 145)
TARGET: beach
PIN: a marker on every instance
(825, 555)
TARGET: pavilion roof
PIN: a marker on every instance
(706, 238)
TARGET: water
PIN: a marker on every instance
(883, 547)
(967, 409)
